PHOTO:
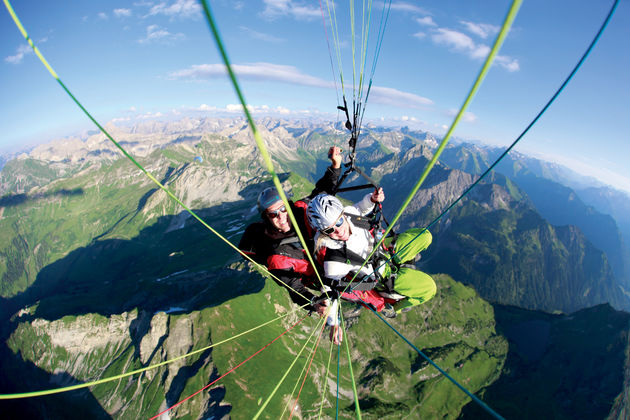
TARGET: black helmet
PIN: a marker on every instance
(266, 198)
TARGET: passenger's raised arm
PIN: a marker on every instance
(328, 183)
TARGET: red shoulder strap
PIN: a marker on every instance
(320, 256)
(301, 204)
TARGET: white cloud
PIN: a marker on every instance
(145, 116)
(179, 8)
(277, 8)
(255, 71)
(480, 51)
(454, 39)
(262, 36)
(395, 97)
(426, 21)
(22, 50)
(255, 109)
(122, 12)
(102, 15)
(291, 75)
(461, 42)
(482, 30)
(204, 107)
(235, 108)
(509, 63)
(156, 33)
(306, 12)
(149, 115)
(407, 7)
(468, 117)
(120, 119)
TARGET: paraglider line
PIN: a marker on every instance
(307, 371)
(529, 126)
(264, 405)
(442, 371)
(230, 371)
(507, 23)
(257, 137)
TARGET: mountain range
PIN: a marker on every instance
(101, 273)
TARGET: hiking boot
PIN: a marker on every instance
(388, 311)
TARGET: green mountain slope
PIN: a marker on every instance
(556, 363)
(114, 201)
(549, 186)
(456, 329)
(19, 176)
(495, 240)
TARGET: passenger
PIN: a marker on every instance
(345, 240)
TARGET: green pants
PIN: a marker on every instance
(419, 287)
(410, 243)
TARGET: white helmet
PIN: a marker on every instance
(323, 211)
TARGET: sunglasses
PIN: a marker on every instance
(330, 230)
(276, 213)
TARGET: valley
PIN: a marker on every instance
(101, 273)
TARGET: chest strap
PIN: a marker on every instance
(347, 256)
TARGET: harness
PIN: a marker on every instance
(347, 256)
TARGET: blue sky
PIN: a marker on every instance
(133, 61)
